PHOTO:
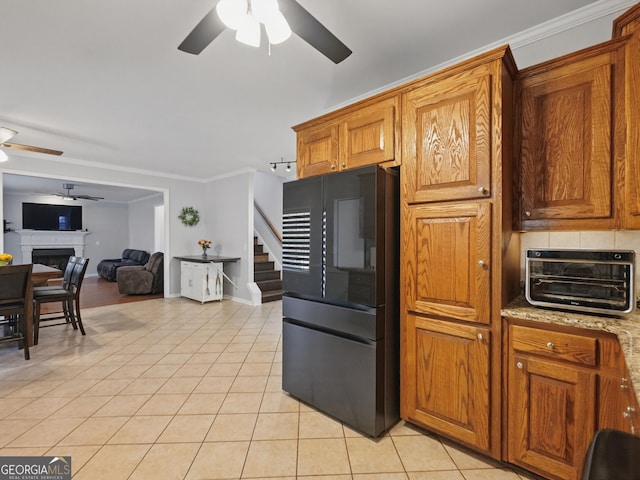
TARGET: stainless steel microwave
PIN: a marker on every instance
(592, 281)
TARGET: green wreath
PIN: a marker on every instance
(189, 216)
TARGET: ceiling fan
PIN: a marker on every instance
(7, 134)
(69, 196)
(300, 21)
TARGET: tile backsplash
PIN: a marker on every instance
(603, 240)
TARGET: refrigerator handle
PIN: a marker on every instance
(324, 252)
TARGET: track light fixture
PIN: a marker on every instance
(274, 165)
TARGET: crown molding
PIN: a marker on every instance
(536, 33)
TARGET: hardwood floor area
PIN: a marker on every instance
(98, 292)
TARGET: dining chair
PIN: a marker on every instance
(612, 455)
(15, 285)
(68, 297)
(66, 276)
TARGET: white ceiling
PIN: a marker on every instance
(104, 81)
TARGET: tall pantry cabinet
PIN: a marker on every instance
(459, 256)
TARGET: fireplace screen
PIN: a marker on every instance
(52, 257)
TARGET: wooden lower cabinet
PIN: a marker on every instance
(562, 384)
(551, 416)
(614, 391)
(446, 379)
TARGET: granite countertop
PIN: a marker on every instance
(627, 329)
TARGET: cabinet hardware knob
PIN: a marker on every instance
(482, 263)
(333, 167)
(520, 365)
(483, 190)
(527, 213)
(627, 414)
(550, 345)
(630, 409)
(480, 336)
(344, 164)
(624, 383)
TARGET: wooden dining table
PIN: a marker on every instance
(40, 275)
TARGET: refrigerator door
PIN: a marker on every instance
(335, 374)
(302, 223)
(350, 240)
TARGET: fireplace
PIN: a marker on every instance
(52, 257)
(32, 240)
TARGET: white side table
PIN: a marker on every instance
(202, 278)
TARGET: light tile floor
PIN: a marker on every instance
(172, 389)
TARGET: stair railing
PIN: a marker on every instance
(268, 223)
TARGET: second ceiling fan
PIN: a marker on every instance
(295, 17)
(7, 134)
(70, 196)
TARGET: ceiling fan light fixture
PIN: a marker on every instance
(232, 12)
(6, 134)
(249, 31)
(278, 29)
(3, 156)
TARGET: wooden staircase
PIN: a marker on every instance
(264, 275)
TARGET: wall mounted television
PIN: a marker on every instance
(44, 216)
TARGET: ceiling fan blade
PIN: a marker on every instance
(6, 134)
(307, 27)
(87, 197)
(29, 148)
(203, 34)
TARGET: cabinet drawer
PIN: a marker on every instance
(559, 345)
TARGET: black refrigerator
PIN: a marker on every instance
(340, 304)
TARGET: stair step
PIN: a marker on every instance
(271, 296)
(268, 285)
(260, 257)
(267, 279)
(262, 266)
(266, 275)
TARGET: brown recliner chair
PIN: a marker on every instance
(147, 279)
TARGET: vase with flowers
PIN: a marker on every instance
(205, 245)
(5, 259)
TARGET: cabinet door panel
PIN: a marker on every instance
(446, 135)
(566, 142)
(446, 386)
(317, 151)
(369, 135)
(551, 416)
(446, 260)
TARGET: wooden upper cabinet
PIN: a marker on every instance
(368, 135)
(317, 150)
(446, 385)
(629, 24)
(364, 135)
(446, 260)
(446, 137)
(571, 140)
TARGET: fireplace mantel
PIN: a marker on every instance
(30, 239)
